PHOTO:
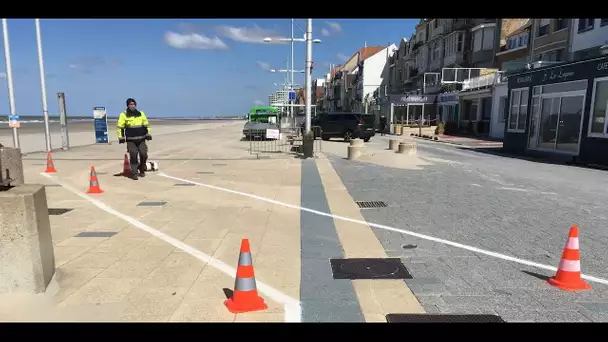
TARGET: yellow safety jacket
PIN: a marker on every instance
(133, 127)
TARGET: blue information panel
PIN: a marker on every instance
(292, 96)
(100, 119)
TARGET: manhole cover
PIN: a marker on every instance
(151, 204)
(95, 234)
(371, 204)
(59, 211)
(442, 318)
(368, 268)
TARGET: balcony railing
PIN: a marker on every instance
(479, 82)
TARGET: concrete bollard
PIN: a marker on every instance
(357, 142)
(355, 152)
(26, 244)
(11, 166)
(407, 148)
(393, 144)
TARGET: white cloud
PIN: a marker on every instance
(334, 26)
(325, 32)
(342, 57)
(253, 35)
(259, 102)
(2, 74)
(263, 65)
(194, 41)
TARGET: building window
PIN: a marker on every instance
(436, 23)
(518, 115)
(556, 55)
(561, 24)
(543, 27)
(599, 111)
(453, 44)
(483, 39)
(502, 109)
(603, 22)
(585, 25)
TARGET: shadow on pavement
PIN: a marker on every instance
(536, 275)
(553, 160)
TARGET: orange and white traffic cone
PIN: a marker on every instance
(568, 276)
(94, 183)
(50, 167)
(245, 297)
(126, 170)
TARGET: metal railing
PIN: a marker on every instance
(284, 140)
(479, 82)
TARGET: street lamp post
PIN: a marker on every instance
(306, 39)
(9, 79)
(308, 75)
(291, 81)
(45, 108)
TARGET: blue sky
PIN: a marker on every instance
(173, 67)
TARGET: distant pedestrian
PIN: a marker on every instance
(134, 129)
(382, 125)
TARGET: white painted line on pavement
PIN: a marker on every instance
(397, 230)
(293, 311)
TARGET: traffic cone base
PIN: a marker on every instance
(245, 297)
(569, 286)
(252, 304)
(568, 276)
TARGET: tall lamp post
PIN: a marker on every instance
(9, 79)
(45, 109)
(292, 40)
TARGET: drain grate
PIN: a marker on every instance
(59, 211)
(205, 173)
(95, 234)
(369, 268)
(442, 318)
(151, 204)
(183, 184)
(371, 204)
(219, 164)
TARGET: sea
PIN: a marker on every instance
(75, 118)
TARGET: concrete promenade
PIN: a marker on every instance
(165, 247)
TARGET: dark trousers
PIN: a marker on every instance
(135, 149)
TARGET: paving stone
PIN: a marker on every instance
(439, 201)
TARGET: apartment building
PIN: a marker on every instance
(587, 36)
(370, 76)
(550, 40)
(317, 95)
(344, 80)
(513, 55)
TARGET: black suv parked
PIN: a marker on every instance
(345, 125)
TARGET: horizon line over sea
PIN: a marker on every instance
(55, 118)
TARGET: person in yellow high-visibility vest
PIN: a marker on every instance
(134, 129)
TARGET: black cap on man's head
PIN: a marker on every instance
(130, 100)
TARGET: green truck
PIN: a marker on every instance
(259, 119)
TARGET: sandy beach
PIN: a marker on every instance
(81, 133)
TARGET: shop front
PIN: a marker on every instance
(476, 111)
(408, 109)
(447, 107)
(499, 110)
(560, 110)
